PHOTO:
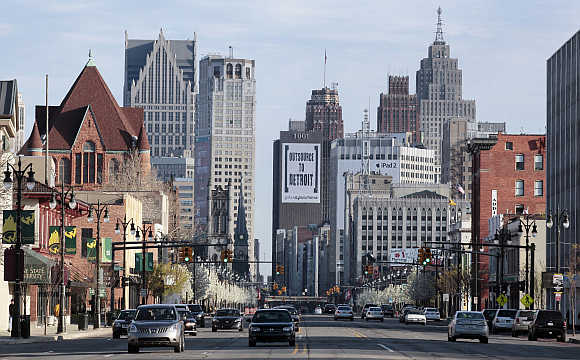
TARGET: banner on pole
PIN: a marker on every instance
(9, 226)
(70, 240)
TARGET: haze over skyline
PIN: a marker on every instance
(502, 49)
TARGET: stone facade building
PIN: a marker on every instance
(397, 111)
(324, 113)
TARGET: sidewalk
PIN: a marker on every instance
(573, 339)
(37, 335)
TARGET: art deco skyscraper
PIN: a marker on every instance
(439, 84)
(324, 113)
(397, 111)
(225, 137)
(160, 77)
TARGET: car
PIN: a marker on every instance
(522, 321)
(432, 314)
(121, 323)
(489, 314)
(415, 316)
(344, 312)
(190, 324)
(293, 313)
(318, 310)
(388, 310)
(329, 308)
(365, 308)
(404, 313)
(269, 325)
(197, 310)
(468, 325)
(374, 313)
(503, 320)
(227, 319)
(547, 324)
(156, 325)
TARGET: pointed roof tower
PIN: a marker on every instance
(439, 33)
(34, 144)
(241, 227)
(143, 141)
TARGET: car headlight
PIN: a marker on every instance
(255, 329)
(287, 329)
(173, 327)
(132, 328)
(238, 320)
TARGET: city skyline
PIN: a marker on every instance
(482, 37)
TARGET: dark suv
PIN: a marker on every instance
(547, 324)
(197, 310)
(388, 310)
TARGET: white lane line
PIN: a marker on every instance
(385, 348)
(108, 356)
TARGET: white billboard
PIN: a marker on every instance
(301, 173)
(403, 256)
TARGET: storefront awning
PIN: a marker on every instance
(37, 268)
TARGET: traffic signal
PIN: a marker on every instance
(277, 269)
(282, 269)
(283, 289)
(275, 286)
(181, 255)
(223, 256)
(187, 254)
(421, 255)
(426, 256)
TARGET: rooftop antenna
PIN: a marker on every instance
(324, 77)
(231, 52)
(439, 33)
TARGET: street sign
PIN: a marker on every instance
(446, 297)
(558, 296)
(502, 300)
(475, 299)
(91, 292)
(527, 300)
(558, 280)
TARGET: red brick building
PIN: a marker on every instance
(397, 111)
(324, 113)
(508, 178)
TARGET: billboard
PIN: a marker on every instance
(403, 256)
(301, 173)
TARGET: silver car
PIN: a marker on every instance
(156, 325)
(523, 319)
(468, 325)
(374, 313)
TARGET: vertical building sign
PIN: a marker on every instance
(301, 173)
(493, 202)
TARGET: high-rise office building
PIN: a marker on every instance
(324, 113)
(160, 78)
(397, 111)
(225, 137)
(439, 84)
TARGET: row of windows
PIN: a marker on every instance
(538, 188)
(520, 164)
(88, 167)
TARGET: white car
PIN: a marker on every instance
(374, 313)
(432, 314)
(318, 310)
(503, 320)
(415, 316)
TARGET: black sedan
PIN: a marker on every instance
(121, 324)
(270, 325)
(227, 319)
(293, 313)
(190, 323)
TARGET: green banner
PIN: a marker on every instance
(149, 265)
(70, 242)
(9, 228)
(106, 250)
(91, 249)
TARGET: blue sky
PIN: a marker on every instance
(502, 48)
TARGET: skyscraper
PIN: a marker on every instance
(439, 96)
(397, 111)
(324, 113)
(225, 137)
(160, 77)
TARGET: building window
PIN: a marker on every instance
(509, 145)
(538, 162)
(229, 71)
(539, 188)
(113, 169)
(520, 162)
(78, 168)
(238, 71)
(64, 171)
(519, 188)
(519, 209)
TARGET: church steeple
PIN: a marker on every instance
(241, 227)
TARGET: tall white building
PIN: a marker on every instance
(21, 123)
(160, 77)
(225, 137)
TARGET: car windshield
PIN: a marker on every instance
(227, 312)
(415, 311)
(185, 313)
(156, 314)
(549, 315)
(291, 310)
(194, 308)
(344, 308)
(387, 307)
(375, 309)
(525, 314)
(489, 314)
(507, 313)
(127, 315)
(430, 310)
(470, 315)
(271, 316)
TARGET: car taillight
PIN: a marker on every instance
(564, 324)
(517, 320)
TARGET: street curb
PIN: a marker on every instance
(574, 341)
(52, 338)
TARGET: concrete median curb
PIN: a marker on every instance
(51, 338)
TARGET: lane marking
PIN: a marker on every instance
(296, 347)
(385, 347)
(304, 352)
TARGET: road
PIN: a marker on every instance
(319, 338)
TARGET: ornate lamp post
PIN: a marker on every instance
(560, 217)
(145, 230)
(72, 204)
(125, 224)
(19, 176)
(529, 222)
(100, 210)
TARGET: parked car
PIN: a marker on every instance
(318, 310)
(156, 325)
(468, 325)
(190, 325)
(329, 308)
(489, 314)
(227, 319)
(388, 310)
(523, 319)
(364, 310)
(415, 316)
(344, 312)
(270, 325)
(503, 320)
(197, 310)
(404, 313)
(432, 314)
(547, 324)
(122, 322)
(374, 313)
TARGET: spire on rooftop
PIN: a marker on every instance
(439, 32)
(91, 61)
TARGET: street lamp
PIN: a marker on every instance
(529, 222)
(501, 236)
(125, 224)
(145, 230)
(560, 217)
(72, 204)
(100, 210)
(19, 175)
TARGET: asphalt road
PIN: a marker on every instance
(319, 338)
